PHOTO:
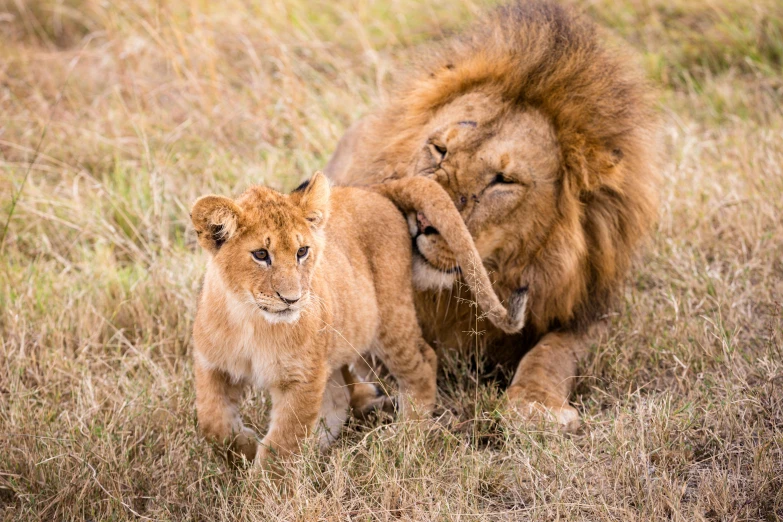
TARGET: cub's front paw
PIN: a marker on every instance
(271, 462)
(532, 404)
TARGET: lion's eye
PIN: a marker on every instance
(501, 179)
(439, 150)
(302, 252)
(261, 255)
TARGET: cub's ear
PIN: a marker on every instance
(314, 200)
(216, 219)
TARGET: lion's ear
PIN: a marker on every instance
(216, 219)
(314, 200)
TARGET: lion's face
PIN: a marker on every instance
(265, 247)
(500, 168)
(547, 142)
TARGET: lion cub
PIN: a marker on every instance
(298, 286)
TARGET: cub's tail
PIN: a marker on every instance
(427, 196)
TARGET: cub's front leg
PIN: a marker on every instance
(295, 410)
(217, 408)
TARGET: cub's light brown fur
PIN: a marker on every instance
(298, 287)
(546, 142)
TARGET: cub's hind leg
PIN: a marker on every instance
(406, 354)
(400, 343)
(413, 364)
(217, 408)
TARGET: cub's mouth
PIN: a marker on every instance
(286, 315)
(283, 311)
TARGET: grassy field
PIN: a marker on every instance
(115, 116)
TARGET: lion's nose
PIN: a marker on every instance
(425, 227)
(289, 300)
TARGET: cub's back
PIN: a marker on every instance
(366, 265)
(366, 221)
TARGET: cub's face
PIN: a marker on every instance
(265, 245)
(270, 265)
(500, 169)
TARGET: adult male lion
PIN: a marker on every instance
(546, 142)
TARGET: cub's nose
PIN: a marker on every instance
(289, 300)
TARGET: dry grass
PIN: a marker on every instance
(116, 115)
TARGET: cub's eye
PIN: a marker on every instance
(501, 179)
(261, 255)
(302, 252)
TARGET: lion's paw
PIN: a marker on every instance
(534, 407)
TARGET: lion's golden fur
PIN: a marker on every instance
(543, 58)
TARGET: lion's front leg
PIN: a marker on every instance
(544, 380)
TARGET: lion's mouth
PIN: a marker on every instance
(422, 228)
(418, 255)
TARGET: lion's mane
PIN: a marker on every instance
(549, 57)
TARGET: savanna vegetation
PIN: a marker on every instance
(116, 115)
